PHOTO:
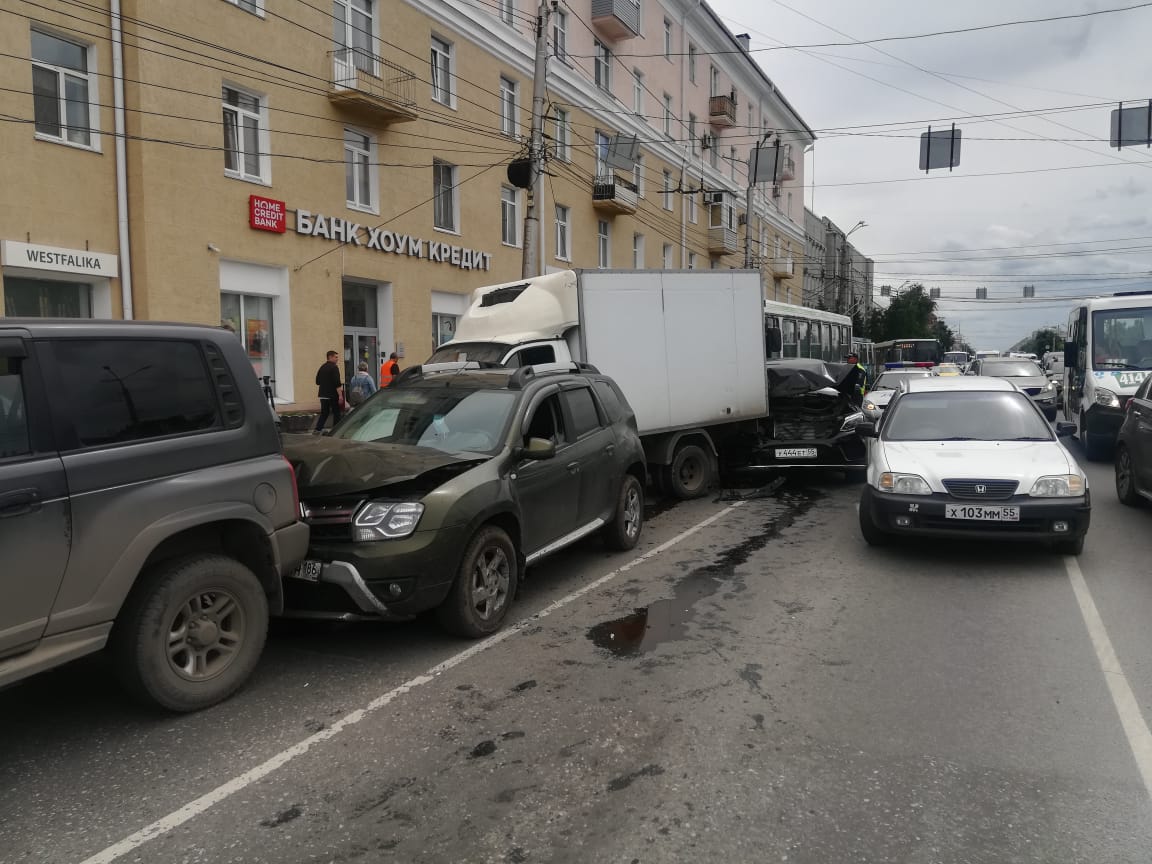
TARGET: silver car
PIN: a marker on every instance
(1025, 374)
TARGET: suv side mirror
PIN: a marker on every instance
(539, 449)
(1070, 354)
(1065, 430)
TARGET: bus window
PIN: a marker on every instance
(826, 342)
(804, 338)
(771, 322)
(791, 349)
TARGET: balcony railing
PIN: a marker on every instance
(617, 19)
(783, 266)
(722, 111)
(363, 82)
(721, 240)
(614, 195)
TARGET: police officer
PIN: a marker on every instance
(855, 384)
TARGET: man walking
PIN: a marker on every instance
(330, 391)
(389, 369)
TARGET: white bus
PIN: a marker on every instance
(806, 332)
(1107, 356)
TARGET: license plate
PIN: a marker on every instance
(980, 513)
(795, 452)
(309, 571)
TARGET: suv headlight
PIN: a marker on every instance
(850, 422)
(1107, 398)
(1058, 486)
(380, 520)
(904, 484)
(869, 405)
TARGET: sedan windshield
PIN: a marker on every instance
(891, 380)
(966, 416)
(1011, 369)
(454, 420)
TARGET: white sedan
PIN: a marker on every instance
(885, 387)
(971, 457)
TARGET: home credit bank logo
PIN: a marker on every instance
(267, 214)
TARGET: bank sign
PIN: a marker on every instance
(383, 240)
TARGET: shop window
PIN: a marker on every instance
(443, 328)
(46, 298)
(250, 318)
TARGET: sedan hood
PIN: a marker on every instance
(328, 467)
(1023, 461)
(880, 398)
(1026, 382)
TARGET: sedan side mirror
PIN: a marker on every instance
(1065, 430)
(539, 449)
(866, 430)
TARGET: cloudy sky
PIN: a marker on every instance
(1036, 228)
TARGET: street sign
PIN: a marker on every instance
(623, 151)
(1131, 126)
(940, 149)
(762, 163)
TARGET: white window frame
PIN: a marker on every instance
(562, 139)
(713, 81)
(732, 163)
(602, 65)
(90, 78)
(602, 145)
(666, 256)
(603, 244)
(506, 11)
(693, 139)
(370, 63)
(693, 211)
(358, 160)
(692, 63)
(667, 191)
(454, 192)
(560, 35)
(253, 7)
(563, 233)
(668, 39)
(666, 114)
(443, 93)
(638, 175)
(509, 107)
(691, 260)
(637, 92)
(263, 136)
(510, 227)
(637, 251)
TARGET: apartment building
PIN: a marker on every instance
(837, 275)
(320, 174)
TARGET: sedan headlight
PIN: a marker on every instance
(380, 520)
(869, 405)
(904, 484)
(1058, 486)
(851, 421)
(1107, 398)
(1051, 385)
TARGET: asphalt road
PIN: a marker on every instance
(752, 684)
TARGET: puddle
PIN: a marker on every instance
(666, 620)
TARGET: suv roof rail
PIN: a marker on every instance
(526, 373)
(457, 366)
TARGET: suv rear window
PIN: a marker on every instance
(119, 390)
(609, 400)
(582, 406)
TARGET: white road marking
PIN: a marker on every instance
(194, 808)
(1131, 718)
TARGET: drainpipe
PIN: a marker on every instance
(121, 162)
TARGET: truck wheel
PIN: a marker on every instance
(869, 530)
(191, 632)
(482, 594)
(623, 532)
(1126, 478)
(690, 473)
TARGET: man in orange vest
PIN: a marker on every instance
(389, 369)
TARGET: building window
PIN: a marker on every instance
(256, 7)
(668, 38)
(732, 162)
(560, 35)
(602, 244)
(563, 233)
(693, 143)
(713, 81)
(691, 260)
(250, 318)
(445, 200)
(602, 144)
(62, 90)
(637, 92)
(353, 30)
(691, 62)
(507, 11)
(666, 256)
(789, 203)
(714, 154)
(638, 251)
(563, 135)
(638, 175)
(46, 298)
(603, 65)
(510, 216)
(443, 328)
(666, 117)
(750, 126)
(244, 131)
(360, 170)
(693, 213)
(508, 107)
(667, 189)
(443, 86)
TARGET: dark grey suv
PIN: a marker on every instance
(440, 489)
(145, 505)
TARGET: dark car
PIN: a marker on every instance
(1134, 448)
(440, 489)
(1026, 375)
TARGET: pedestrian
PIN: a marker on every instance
(360, 387)
(331, 391)
(855, 383)
(389, 369)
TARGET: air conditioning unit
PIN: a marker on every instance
(776, 191)
(711, 198)
(742, 219)
(707, 141)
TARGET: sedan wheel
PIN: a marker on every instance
(1126, 478)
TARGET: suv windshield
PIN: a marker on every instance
(966, 416)
(1122, 339)
(454, 420)
(891, 380)
(1011, 369)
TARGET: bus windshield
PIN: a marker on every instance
(1122, 339)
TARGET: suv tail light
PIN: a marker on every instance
(295, 488)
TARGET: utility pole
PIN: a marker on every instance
(533, 254)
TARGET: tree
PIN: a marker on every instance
(944, 335)
(908, 316)
(1042, 341)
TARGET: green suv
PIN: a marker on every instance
(440, 489)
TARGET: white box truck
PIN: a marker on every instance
(685, 347)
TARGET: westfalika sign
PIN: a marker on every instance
(36, 257)
(383, 240)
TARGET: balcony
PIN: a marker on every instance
(787, 169)
(782, 266)
(722, 111)
(613, 195)
(372, 86)
(721, 240)
(617, 19)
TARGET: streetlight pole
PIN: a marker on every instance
(844, 262)
(533, 253)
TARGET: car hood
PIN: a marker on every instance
(1025, 381)
(1024, 461)
(327, 467)
(880, 398)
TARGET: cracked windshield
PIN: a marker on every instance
(624, 431)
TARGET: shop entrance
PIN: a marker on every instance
(361, 330)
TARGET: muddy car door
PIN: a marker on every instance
(548, 489)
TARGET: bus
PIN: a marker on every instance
(902, 353)
(1107, 356)
(960, 358)
(806, 332)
